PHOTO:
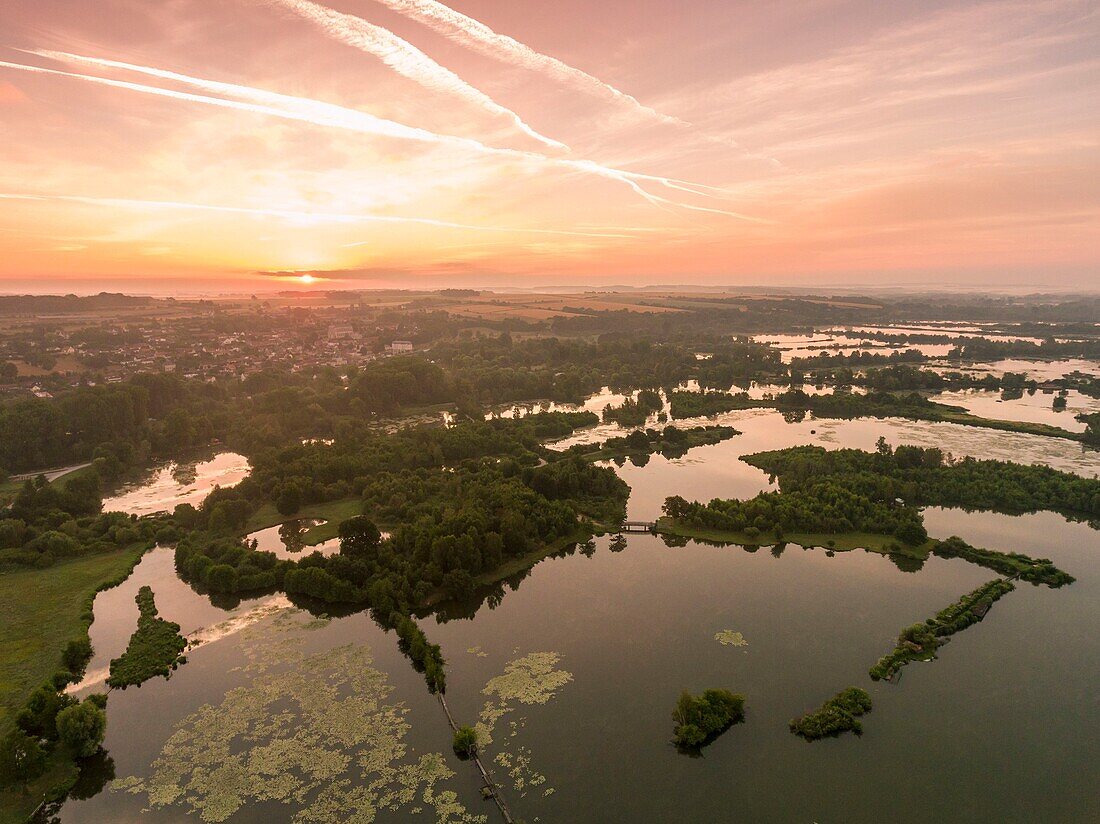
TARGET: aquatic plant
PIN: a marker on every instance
(323, 737)
(729, 638)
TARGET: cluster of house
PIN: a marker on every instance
(198, 347)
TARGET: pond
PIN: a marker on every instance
(288, 541)
(173, 484)
(577, 664)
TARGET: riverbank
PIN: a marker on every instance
(838, 542)
(41, 610)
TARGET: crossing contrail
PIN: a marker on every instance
(405, 59)
(475, 35)
(274, 104)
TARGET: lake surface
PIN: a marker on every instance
(1036, 407)
(1003, 727)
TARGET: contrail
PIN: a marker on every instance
(293, 108)
(274, 104)
(405, 59)
(291, 214)
(475, 35)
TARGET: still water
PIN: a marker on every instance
(169, 486)
(1004, 727)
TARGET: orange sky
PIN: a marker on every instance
(186, 145)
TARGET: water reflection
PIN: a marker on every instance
(288, 541)
(175, 484)
(1035, 407)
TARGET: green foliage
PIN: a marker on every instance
(634, 412)
(77, 654)
(828, 506)
(22, 759)
(38, 717)
(426, 657)
(705, 404)
(82, 727)
(924, 477)
(47, 523)
(1034, 570)
(672, 442)
(920, 641)
(838, 714)
(702, 718)
(155, 647)
(465, 742)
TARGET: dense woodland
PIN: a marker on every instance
(927, 477)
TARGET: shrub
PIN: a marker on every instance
(465, 742)
(81, 728)
(701, 719)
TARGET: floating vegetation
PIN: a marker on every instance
(478, 651)
(729, 638)
(155, 648)
(531, 680)
(518, 767)
(322, 737)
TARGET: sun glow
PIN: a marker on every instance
(307, 279)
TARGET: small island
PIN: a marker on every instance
(701, 719)
(920, 641)
(155, 648)
(838, 714)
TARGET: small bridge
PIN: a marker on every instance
(638, 526)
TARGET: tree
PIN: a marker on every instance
(459, 584)
(77, 654)
(289, 501)
(8, 372)
(22, 759)
(359, 537)
(465, 742)
(39, 715)
(81, 728)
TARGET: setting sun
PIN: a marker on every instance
(306, 279)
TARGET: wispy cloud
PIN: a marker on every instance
(406, 59)
(475, 35)
(304, 217)
(261, 101)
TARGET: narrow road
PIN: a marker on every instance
(51, 474)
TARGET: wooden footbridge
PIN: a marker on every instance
(638, 526)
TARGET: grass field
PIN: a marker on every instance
(41, 610)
